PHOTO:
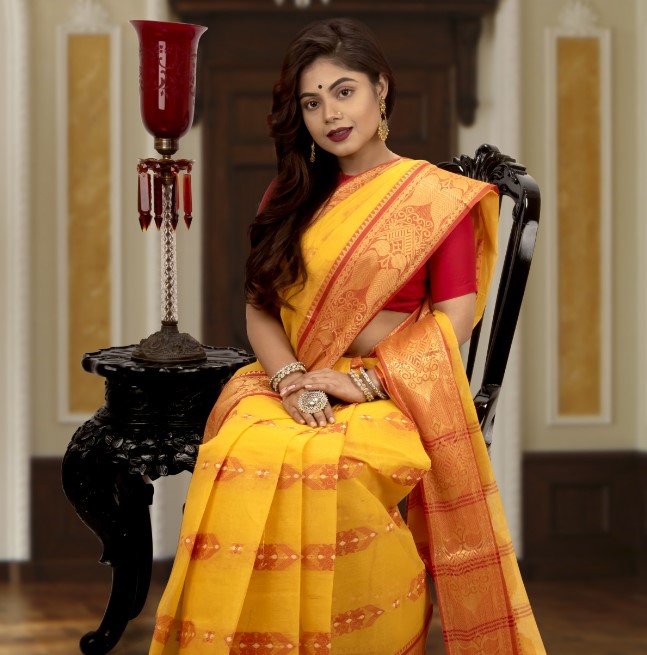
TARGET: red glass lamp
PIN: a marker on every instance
(167, 57)
(167, 74)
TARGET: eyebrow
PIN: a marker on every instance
(341, 80)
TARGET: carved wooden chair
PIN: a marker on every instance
(490, 165)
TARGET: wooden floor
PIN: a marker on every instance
(606, 617)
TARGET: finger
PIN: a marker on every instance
(294, 413)
(288, 391)
(322, 385)
(326, 416)
(320, 418)
(295, 386)
(302, 417)
(297, 416)
(310, 420)
(330, 417)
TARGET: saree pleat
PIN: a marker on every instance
(227, 505)
(292, 540)
(297, 572)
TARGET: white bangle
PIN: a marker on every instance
(283, 372)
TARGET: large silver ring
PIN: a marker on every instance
(311, 402)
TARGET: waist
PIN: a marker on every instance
(384, 323)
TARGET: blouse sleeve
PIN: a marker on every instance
(452, 268)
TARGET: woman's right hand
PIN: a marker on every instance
(291, 400)
(331, 382)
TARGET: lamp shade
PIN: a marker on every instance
(167, 70)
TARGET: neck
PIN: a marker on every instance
(372, 155)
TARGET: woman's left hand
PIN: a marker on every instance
(331, 382)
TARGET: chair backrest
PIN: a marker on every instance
(490, 165)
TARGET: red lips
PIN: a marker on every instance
(339, 134)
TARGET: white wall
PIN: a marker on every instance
(623, 431)
(14, 283)
(521, 131)
(497, 122)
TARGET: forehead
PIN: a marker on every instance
(324, 72)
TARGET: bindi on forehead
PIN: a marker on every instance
(332, 87)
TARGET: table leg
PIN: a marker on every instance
(115, 505)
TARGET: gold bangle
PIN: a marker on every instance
(283, 372)
(363, 388)
(371, 385)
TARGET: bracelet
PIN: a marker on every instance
(371, 385)
(363, 388)
(283, 372)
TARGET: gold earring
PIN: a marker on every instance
(312, 153)
(383, 126)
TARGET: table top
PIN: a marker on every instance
(116, 362)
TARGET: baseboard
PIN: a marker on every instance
(585, 514)
(77, 572)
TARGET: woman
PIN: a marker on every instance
(366, 272)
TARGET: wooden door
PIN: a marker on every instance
(239, 164)
(431, 47)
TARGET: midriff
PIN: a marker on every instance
(383, 324)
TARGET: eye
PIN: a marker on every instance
(345, 92)
(311, 104)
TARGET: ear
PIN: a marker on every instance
(382, 87)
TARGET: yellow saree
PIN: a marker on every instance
(291, 539)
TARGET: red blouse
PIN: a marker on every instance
(449, 273)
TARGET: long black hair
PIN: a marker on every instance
(275, 261)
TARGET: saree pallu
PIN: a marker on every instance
(291, 539)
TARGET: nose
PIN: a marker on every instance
(332, 114)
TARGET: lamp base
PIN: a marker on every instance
(169, 346)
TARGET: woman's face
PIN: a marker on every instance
(340, 108)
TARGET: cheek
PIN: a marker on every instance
(364, 116)
(372, 113)
(308, 120)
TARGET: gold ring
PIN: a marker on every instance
(312, 401)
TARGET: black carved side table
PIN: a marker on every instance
(151, 425)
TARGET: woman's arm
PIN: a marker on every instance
(273, 350)
(268, 339)
(460, 311)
